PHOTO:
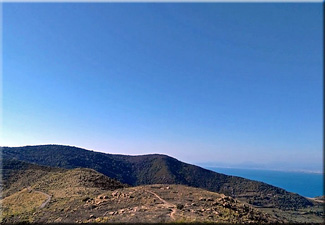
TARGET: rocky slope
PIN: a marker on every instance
(84, 195)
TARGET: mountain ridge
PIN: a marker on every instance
(155, 169)
(41, 194)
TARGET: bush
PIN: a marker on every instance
(179, 206)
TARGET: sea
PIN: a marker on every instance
(307, 184)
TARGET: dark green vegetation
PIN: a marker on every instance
(158, 169)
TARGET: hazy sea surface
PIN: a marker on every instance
(304, 183)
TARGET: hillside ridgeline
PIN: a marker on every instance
(18, 175)
(158, 169)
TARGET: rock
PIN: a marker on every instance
(202, 199)
(92, 216)
(58, 220)
(209, 199)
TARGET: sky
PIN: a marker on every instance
(209, 83)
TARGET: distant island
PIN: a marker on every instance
(56, 183)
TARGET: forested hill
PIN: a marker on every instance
(154, 169)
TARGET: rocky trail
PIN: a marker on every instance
(167, 204)
(151, 203)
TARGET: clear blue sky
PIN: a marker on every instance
(230, 83)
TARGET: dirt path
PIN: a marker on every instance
(49, 197)
(168, 204)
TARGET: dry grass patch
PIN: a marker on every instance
(24, 201)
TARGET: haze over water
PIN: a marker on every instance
(304, 183)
